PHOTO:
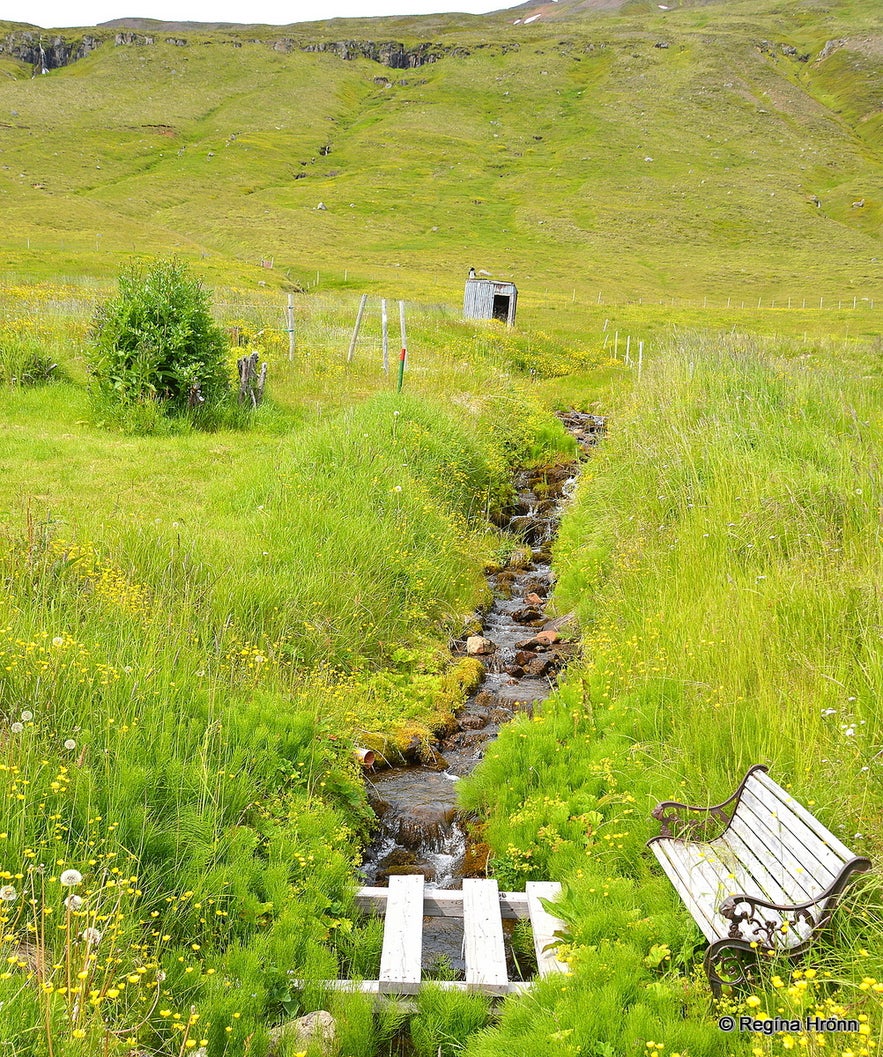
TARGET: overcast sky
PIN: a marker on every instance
(62, 13)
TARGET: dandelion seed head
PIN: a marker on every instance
(58, 641)
(73, 902)
(16, 728)
(70, 744)
(8, 893)
(27, 716)
(91, 936)
(70, 878)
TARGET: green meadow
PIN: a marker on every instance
(199, 627)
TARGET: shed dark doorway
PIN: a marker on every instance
(501, 307)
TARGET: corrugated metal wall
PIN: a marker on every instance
(478, 300)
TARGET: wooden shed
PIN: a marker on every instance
(489, 299)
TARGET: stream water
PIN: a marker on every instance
(419, 828)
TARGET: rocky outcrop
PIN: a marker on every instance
(53, 52)
(387, 53)
(138, 39)
(46, 53)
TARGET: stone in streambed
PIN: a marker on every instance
(534, 600)
(541, 666)
(473, 721)
(315, 1029)
(478, 645)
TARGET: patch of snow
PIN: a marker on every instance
(532, 18)
(517, 22)
(662, 7)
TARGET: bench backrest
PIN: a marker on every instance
(781, 840)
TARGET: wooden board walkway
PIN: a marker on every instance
(482, 907)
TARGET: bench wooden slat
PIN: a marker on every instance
(483, 936)
(710, 881)
(774, 882)
(786, 848)
(544, 925)
(799, 886)
(679, 876)
(814, 849)
(402, 936)
(817, 827)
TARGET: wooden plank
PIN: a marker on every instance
(402, 936)
(786, 890)
(544, 926)
(702, 910)
(817, 827)
(376, 987)
(352, 349)
(441, 902)
(799, 886)
(788, 821)
(483, 936)
(785, 846)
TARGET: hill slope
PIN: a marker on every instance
(646, 153)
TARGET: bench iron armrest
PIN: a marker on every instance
(702, 823)
(746, 917)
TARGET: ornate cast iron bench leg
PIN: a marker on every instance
(727, 962)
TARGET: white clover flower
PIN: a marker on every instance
(8, 893)
(27, 716)
(91, 936)
(16, 728)
(73, 902)
(829, 711)
(69, 878)
(70, 744)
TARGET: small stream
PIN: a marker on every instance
(419, 827)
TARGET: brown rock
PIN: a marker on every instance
(548, 637)
(533, 599)
(478, 645)
(316, 1028)
(540, 666)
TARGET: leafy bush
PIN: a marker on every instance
(156, 342)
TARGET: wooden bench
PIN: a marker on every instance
(757, 872)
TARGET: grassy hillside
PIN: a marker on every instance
(577, 157)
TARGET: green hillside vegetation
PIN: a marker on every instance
(200, 626)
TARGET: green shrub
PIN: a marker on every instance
(156, 342)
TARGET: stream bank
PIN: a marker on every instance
(420, 829)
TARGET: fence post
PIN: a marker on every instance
(404, 354)
(359, 314)
(384, 332)
(290, 314)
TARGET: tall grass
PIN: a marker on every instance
(723, 555)
(195, 632)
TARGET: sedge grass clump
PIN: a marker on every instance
(24, 360)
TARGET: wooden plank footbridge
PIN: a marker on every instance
(482, 907)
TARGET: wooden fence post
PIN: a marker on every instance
(404, 354)
(384, 334)
(290, 315)
(359, 314)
